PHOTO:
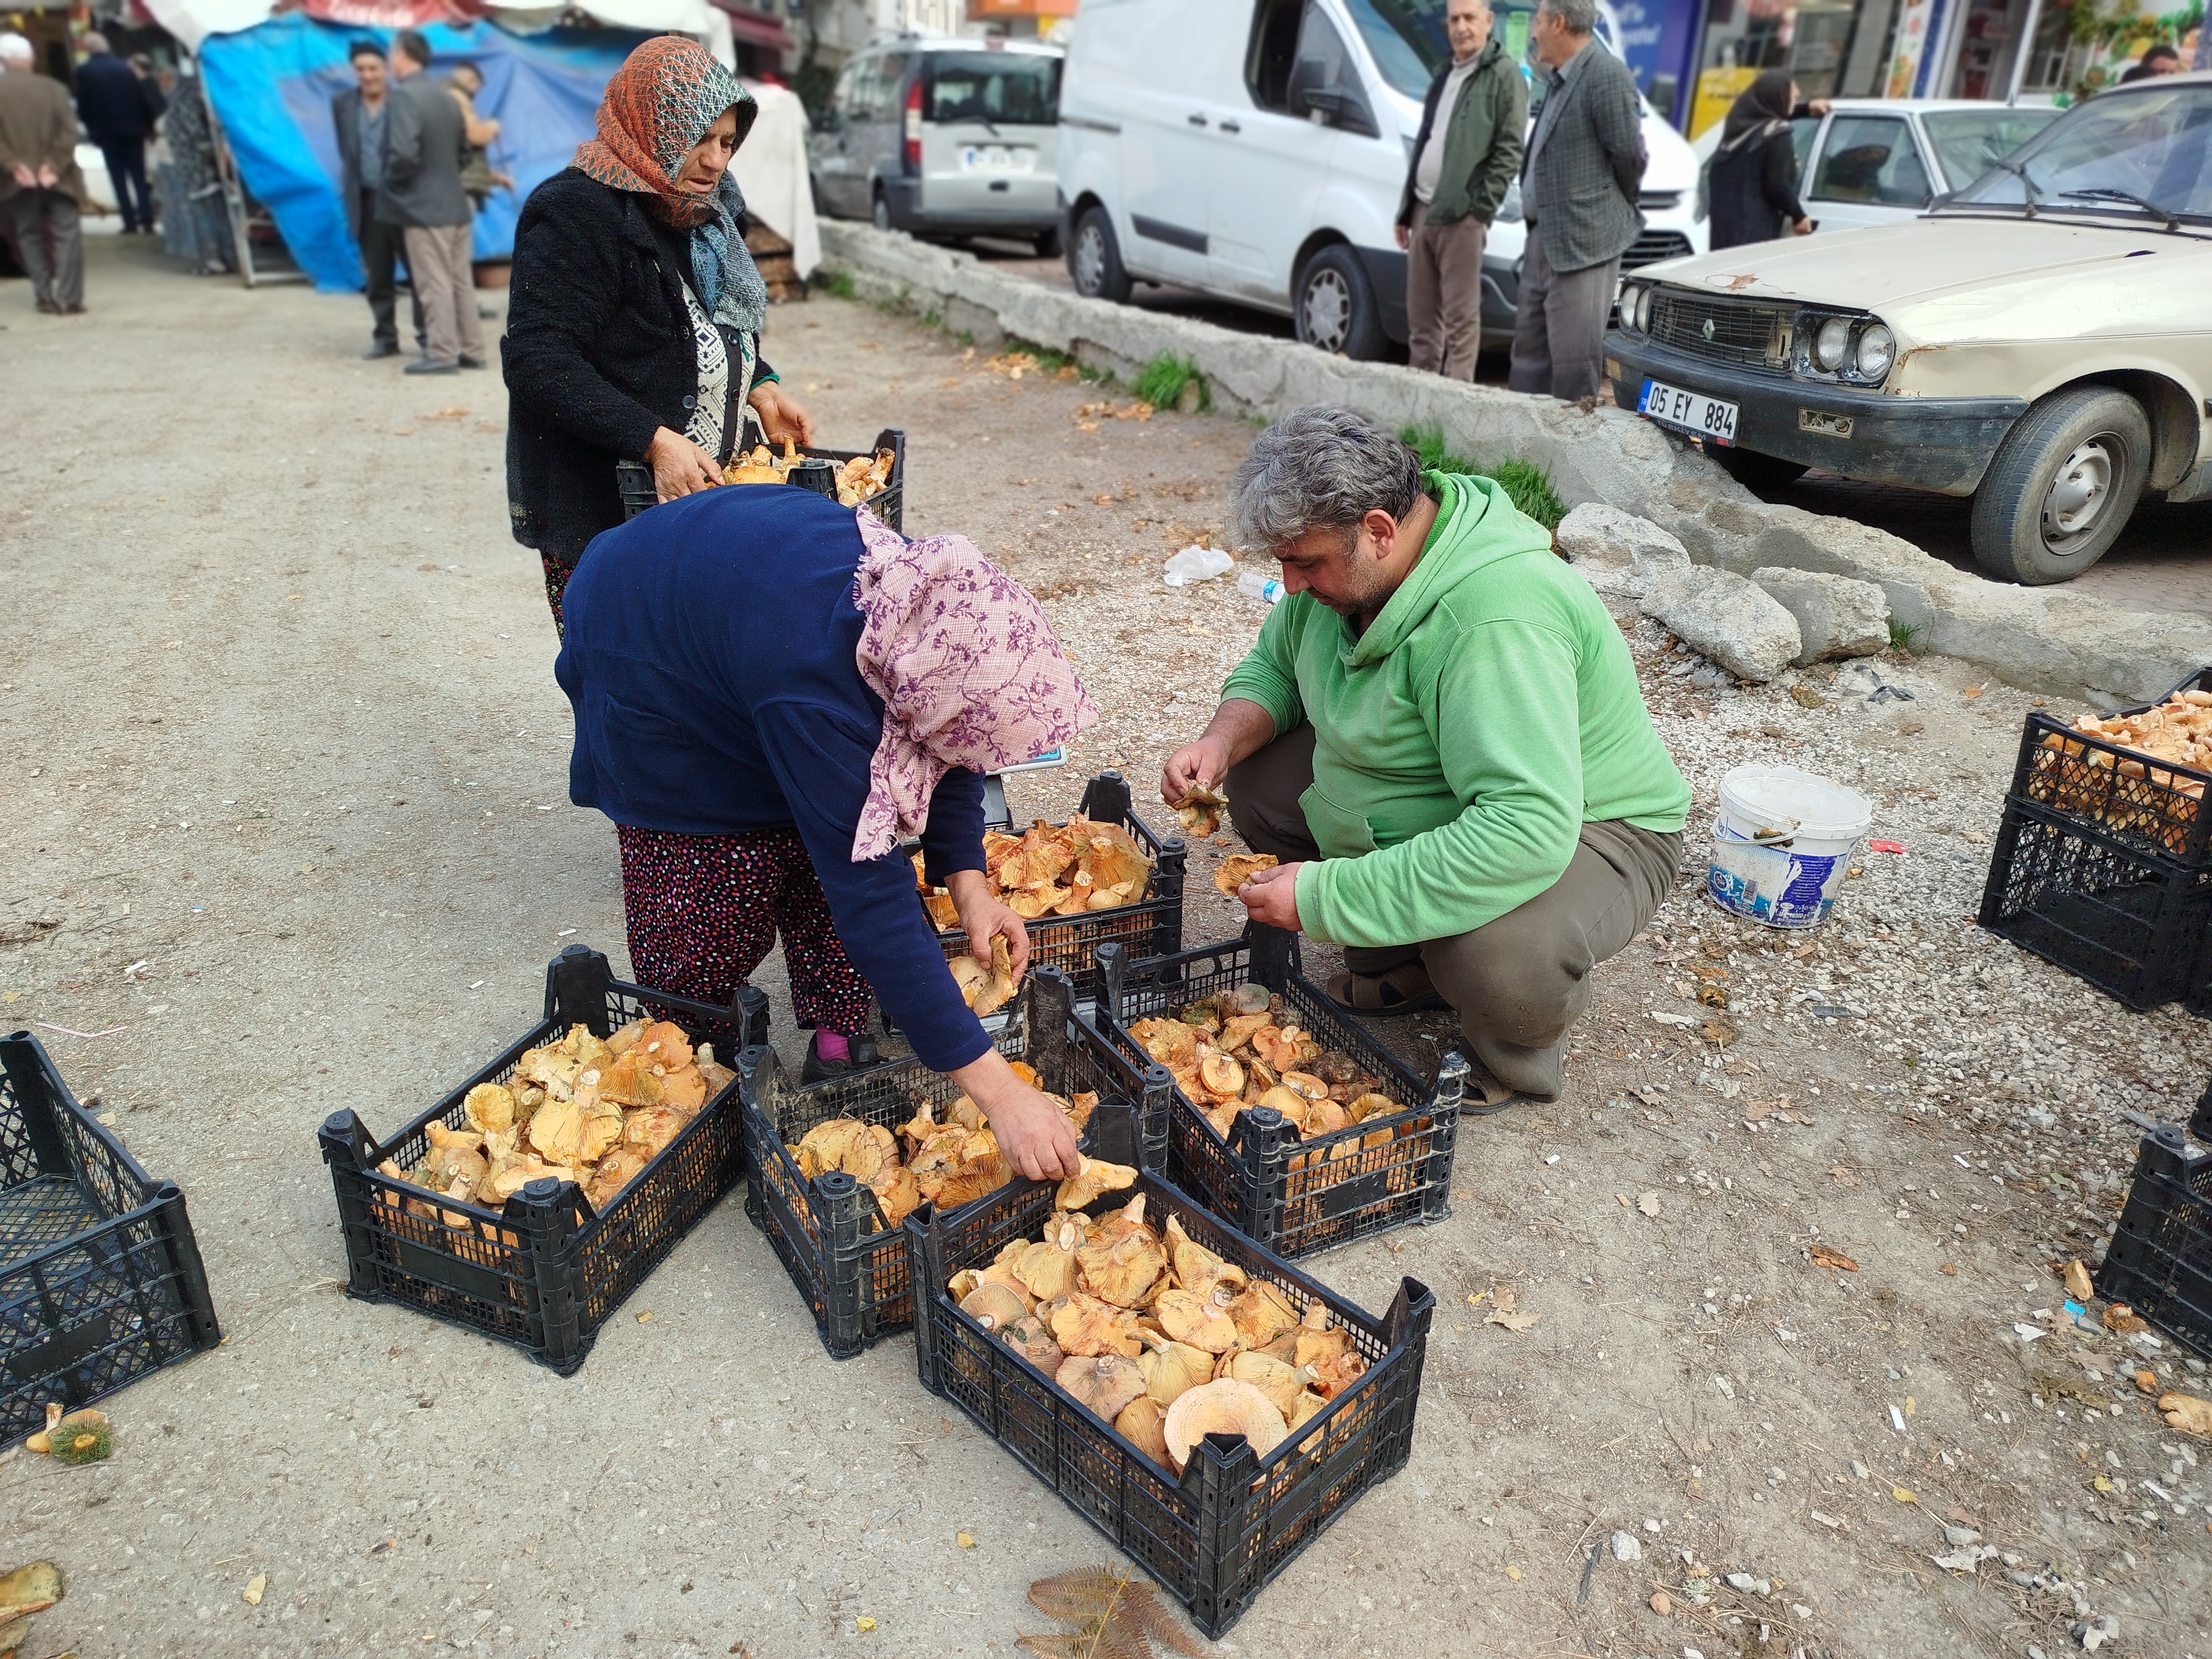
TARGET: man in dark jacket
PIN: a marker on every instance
(359, 115)
(112, 106)
(426, 146)
(1466, 154)
(1578, 189)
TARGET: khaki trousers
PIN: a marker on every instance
(444, 276)
(1517, 983)
(1559, 325)
(1443, 295)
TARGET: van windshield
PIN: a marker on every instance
(1017, 88)
(1406, 39)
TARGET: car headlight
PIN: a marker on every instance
(1629, 294)
(1877, 349)
(1644, 299)
(1831, 343)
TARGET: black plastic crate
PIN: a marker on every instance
(1153, 926)
(2129, 922)
(547, 1270)
(1285, 1191)
(2198, 995)
(635, 479)
(829, 1232)
(100, 1278)
(1215, 1537)
(2160, 1261)
(2152, 806)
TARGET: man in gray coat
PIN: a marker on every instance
(426, 146)
(1578, 189)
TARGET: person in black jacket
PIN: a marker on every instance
(112, 107)
(634, 313)
(358, 116)
(1752, 184)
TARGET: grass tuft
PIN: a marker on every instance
(1164, 383)
(836, 283)
(1904, 637)
(1527, 485)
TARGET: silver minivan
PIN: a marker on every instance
(944, 137)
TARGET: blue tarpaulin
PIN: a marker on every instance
(272, 85)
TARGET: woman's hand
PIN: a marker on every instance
(1802, 227)
(781, 418)
(984, 916)
(679, 466)
(1032, 1131)
(1272, 897)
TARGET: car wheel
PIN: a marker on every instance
(1046, 243)
(1762, 475)
(1335, 307)
(1094, 258)
(880, 215)
(2062, 485)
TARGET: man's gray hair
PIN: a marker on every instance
(1579, 15)
(1323, 467)
(94, 43)
(17, 48)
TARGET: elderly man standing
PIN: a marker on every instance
(1440, 733)
(41, 188)
(359, 115)
(117, 118)
(1578, 189)
(1465, 155)
(426, 148)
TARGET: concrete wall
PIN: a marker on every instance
(2042, 639)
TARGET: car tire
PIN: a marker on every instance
(1094, 258)
(2062, 486)
(1046, 243)
(1332, 305)
(1762, 475)
(880, 213)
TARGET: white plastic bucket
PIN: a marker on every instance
(1781, 842)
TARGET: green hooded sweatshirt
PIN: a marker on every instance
(1488, 713)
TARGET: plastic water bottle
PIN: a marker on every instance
(1254, 585)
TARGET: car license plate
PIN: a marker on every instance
(997, 158)
(1691, 410)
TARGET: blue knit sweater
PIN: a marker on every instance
(710, 656)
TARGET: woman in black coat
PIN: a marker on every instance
(634, 322)
(1752, 180)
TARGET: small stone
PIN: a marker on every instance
(1749, 1584)
(1960, 1535)
(1627, 1547)
(1801, 1610)
(1616, 552)
(1727, 1387)
(2093, 1633)
(1662, 1603)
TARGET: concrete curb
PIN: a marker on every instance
(2041, 638)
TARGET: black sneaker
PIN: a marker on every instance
(861, 1048)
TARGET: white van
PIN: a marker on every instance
(943, 137)
(1256, 149)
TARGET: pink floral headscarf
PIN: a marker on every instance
(969, 671)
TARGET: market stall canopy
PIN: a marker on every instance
(271, 84)
(193, 21)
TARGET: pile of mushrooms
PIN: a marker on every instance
(1155, 1333)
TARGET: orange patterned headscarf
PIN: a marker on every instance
(657, 106)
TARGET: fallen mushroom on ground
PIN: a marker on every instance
(1080, 865)
(948, 1161)
(79, 1436)
(1154, 1333)
(578, 1109)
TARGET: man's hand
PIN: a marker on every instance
(983, 916)
(48, 178)
(1035, 1135)
(1205, 762)
(680, 467)
(1272, 897)
(24, 176)
(780, 416)
(1802, 227)
(1405, 236)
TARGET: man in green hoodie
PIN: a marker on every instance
(1440, 733)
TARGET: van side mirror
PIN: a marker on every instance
(1345, 110)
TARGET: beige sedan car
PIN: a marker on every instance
(2040, 341)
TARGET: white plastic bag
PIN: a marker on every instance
(1196, 564)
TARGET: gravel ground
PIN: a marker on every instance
(289, 831)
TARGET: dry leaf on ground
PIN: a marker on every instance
(1825, 1257)
(1648, 1202)
(2077, 1281)
(1512, 1322)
